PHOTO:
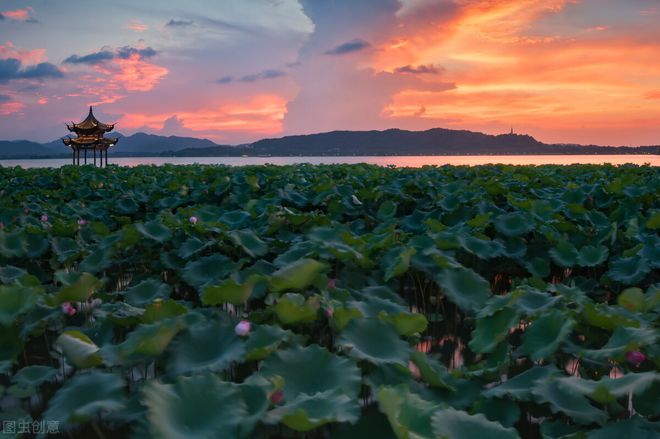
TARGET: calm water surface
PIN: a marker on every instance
(400, 161)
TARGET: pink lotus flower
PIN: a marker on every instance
(44, 218)
(329, 312)
(635, 357)
(277, 397)
(82, 222)
(193, 220)
(2, 225)
(26, 210)
(331, 284)
(68, 309)
(243, 328)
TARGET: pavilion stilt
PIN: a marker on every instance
(94, 157)
(73, 156)
(85, 155)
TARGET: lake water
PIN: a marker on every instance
(400, 161)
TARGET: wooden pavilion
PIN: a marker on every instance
(90, 136)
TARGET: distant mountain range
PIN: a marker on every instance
(437, 141)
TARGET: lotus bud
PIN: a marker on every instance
(635, 357)
(44, 218)
(414, 370)
(243, 328)
(82, 222)
(2, 225)
(277, 397)
(331, 284)
(68, 309)
(329, 312)
(193, 220)
(26, 210)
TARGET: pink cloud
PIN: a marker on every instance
(12, 107)
(137, 26)
(34, 56)
(19, 14)
(138, 75)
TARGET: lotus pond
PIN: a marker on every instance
(330, 301)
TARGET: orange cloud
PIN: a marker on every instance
(19, 14)
(138, 75)
(35, 56)
(261, 115)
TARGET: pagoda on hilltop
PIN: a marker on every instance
(90, 136)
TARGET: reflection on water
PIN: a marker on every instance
(400, 161)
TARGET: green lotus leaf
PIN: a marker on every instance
(564, 254)
(297, 275)
(633, 428)
(311, 411)
(249, 242)
(212, 347)
(78, 291)
(148, 341)
(538, 267)
(646, 403)
(15, 300)
(456, 424)
(520, 386)
(485, 249)
(544, 336)
(629, 271)
(207, 270)
(235, 219)
(504, 411)
(228, 291)
(293, 309)
(592, 255)
(11, 343)
(79, 349)
(85, 396)
(342, 316)
(464, 287)
(36, 245)
(563, 399)
(513, 224)
(407, 324)
(155, 229)
(65, 248)
(34, 376)
(126, 206)
(161, 310)
(264, 340)
(396, 262)
(372, 423)
(608, 317)
(12, 244)
(622, 340)
(256, 403)
(96, 261)
(197, 407)
(311, 370)
(375, 341)
(430, 370)
(387, 210)
(531, 301)
(146, 292)
(632, 299)
(408, 414)
(492, 330)
(653, 222)
(192, 246)
(9, 274)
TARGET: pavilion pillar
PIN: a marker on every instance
(73, 155)
(78, 157)
(106, 157)
(94, 157)
(85, 155)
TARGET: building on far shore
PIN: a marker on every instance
(90, 136)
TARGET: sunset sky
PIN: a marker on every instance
(233, 71)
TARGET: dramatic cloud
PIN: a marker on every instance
(34, 56)
(4, 98)
(179, 23)
(355, 45)
(429, 69)
(108, 54)
(266, 74)
(225, 80)
(12, 69)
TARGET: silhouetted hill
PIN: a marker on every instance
(437, 141)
